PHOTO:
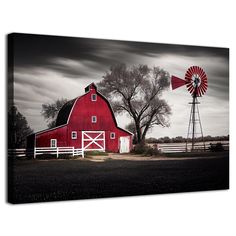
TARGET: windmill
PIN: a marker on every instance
(196, 83)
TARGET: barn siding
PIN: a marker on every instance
(84, 109)
(80, 120)
(43, 139)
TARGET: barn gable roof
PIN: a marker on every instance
(64, 113)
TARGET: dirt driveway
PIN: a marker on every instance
(132, 157)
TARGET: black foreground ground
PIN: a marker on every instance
(53, 180)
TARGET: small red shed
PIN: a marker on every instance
(86, 122)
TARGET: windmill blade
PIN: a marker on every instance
(196, 81)
(176, 82)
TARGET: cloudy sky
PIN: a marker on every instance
(47, 68)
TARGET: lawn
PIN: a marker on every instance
(52, 180)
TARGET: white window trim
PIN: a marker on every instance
(72, 133)
(94, 100)
(94, 121)
(112, 135)
(51, 141)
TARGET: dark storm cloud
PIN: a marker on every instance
(31, 50)
(218, 79)
(41, 51)
(154, 49)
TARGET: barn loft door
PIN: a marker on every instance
(93, 140)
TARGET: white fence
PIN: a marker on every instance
(19, 152)
(181, 147)
(58, 150)
(45, 150)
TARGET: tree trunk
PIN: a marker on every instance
(142, 141)
(138, 132)
(140, 136)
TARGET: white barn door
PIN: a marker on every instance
(124, 144)
(93, 140)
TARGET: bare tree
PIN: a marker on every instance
(50, 111)
(137, 91)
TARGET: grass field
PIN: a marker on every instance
(52, 180)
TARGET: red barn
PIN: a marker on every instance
(86, 122)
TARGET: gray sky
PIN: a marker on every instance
(47, 68)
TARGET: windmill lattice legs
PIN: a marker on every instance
(195, 126)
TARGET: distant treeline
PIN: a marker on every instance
(180, 139)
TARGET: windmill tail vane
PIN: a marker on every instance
(196, 82)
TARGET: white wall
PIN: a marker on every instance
(203, 22)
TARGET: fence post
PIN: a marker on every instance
(73, 151)
(57, 152)
(82, 152)
(34, 152)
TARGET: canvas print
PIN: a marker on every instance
(95, 118)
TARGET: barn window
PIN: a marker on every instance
(112, 135)
(94, 97)
(53, 143)
(73, 135)
(94, 119)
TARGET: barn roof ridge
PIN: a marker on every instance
(87, 88)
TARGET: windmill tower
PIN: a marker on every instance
(196, 83)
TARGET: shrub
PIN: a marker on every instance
(218, 147)
(145, 150)
(152, 152)
(140, 149)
